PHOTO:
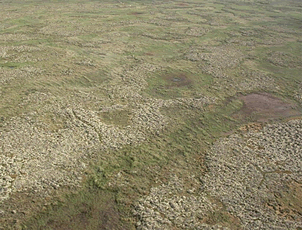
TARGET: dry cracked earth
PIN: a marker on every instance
(79, 80)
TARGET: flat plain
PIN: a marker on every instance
(150, 114)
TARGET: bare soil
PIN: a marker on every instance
(264, 106)
(183, 4)
(149, 54)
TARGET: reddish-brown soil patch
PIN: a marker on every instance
(149, 54)
(183, 4)
(264, 106)
(254, 127)
(177, 80)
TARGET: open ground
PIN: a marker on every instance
(150, 115)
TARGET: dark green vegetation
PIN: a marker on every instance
(127, 94)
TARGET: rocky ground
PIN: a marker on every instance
(80, 82)
(37, 156)
(255, 175)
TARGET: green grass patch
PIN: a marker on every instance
(174, 84)
(181, 149)
(89, 209)
(116, 117)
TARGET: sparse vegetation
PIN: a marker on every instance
(150, 115)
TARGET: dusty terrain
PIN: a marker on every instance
(150, 115)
